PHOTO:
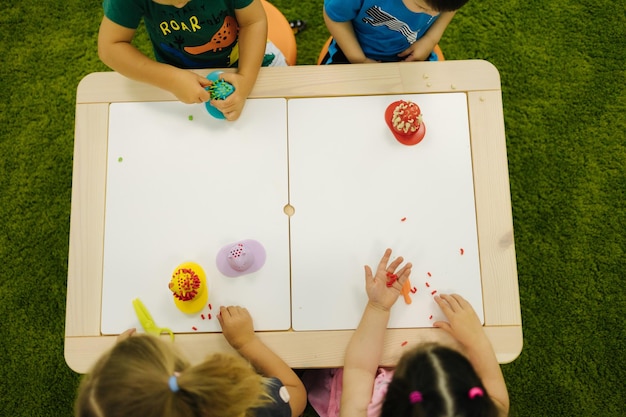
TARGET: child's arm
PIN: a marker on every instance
(366, 344)
(463, 324)
(343, 33)
(421, 48)
(238, 330)
(116, 51)
(252, 40)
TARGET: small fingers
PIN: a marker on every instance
(404, 274)
(395, 263)
(232, 116)
(461, 302)
(454, 301)
(126, 334)
(229, 312)
(405, 271)
(443, 325)
(228, 107)
(443, 304)
(368, 273)
(382, 265)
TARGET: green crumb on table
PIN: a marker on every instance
(120, 159)
(190, 117)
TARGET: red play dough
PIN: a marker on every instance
(409, 119)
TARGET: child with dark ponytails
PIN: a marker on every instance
(430, 380)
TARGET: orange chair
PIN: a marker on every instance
(324, 50)
(280, 33)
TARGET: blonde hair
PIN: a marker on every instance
(132, 380)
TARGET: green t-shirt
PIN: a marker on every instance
(203, 34)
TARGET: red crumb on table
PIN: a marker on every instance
(209, 316)
(413, 290)
(210, 307)
(429, 274)
(434, 292)
(427, 285)
(202, 315)
(462, 251)
(194, 328)
(430, 317)
(404, 343)
(403, 219)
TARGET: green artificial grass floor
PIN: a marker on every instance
(562, 65)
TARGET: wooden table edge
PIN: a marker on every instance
(315, 349)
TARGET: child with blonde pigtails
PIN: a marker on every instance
(145, 376)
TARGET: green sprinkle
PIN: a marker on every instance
(190, 117)
(220, 89)
(120, 159)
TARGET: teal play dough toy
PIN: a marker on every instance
(219, 90)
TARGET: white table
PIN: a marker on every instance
(478, 81)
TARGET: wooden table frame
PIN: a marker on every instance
(478, 79)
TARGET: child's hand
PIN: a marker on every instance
(418, 51)
(127, 333)
(236, 325)
(378, 293)
(463, 323)
(232, 106)
(190, 87)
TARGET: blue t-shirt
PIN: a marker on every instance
(203, 34)
(384, 28)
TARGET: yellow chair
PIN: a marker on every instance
(324, 50)
(280, 32)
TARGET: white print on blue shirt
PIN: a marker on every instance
(378, 17)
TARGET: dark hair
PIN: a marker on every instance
(446, 5)
(444, 378)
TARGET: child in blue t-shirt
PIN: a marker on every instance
(386, 30)
(186, 35)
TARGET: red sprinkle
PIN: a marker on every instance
(427, 284)
(462, 251)
(194, 328)
(209, 316)
(210, 307)
(434, 292)
(403, 219)
(431, 317)
(404, 343)
(413, 290)
(202, 315)
(428, 273)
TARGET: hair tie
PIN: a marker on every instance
(475, 392)
(173, 383)
(415, 397)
